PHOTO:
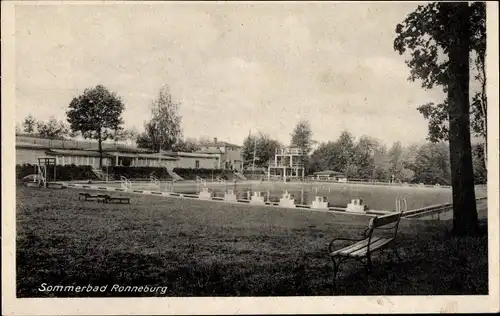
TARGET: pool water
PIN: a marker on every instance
(337, 194)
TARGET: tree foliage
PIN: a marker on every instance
(364, 156)
(432, 164)
(186, 145)
(428, 163)
(302, 136)
(478, 161)
(265, 149)
(355, 159)
(52, 128)
(163, 130)
(441, 37)
(424, 35)
(29, 124)
(96, 114)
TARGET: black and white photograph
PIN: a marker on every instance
(249, 157)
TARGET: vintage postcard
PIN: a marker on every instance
(168, 157)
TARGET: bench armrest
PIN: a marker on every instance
(366, 232)
(330, 245)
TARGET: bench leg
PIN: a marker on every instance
(336, 267)
(368, 264)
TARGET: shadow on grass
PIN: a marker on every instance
(449, 266)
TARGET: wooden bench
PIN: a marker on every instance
(87, 196)
(120, 199)
(362, 249)
(104, 198)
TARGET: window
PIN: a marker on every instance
(197, 164)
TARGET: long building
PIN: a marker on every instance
(67, 152)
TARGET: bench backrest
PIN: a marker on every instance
(389, 219)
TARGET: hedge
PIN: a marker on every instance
(138, 173)
(73, 172)
(256, 172)
(191, 174)
(63, 173)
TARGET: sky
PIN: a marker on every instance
(234, 67)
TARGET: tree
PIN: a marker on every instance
(439, 37)
(265, 148)
(382, 164)
(52, 129)
(144, 141)
(164, 128)
(478, 161)
(302, 136)
(128, 135)
(302, 139)
(186, 145)
(407, 175)
(364, 156)
(437, 114)
(432, 165)
(96, 114)
(29, 124)
(346, 148)
(409, 156)
(395, 159)
(325, 157)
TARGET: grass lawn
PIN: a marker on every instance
(200, 248)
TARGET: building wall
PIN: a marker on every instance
(190, 162)
(82, 160)
(29, 155)
(153, 162)
(231, 156)
(235, 156)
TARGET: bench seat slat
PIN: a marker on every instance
(373, 246)
(352, 248)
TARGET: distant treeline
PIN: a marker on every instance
(368, 159)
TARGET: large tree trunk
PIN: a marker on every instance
(465, 221)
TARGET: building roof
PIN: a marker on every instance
(329, 173)
(71, 152)
(219, 144)
(73, 143)
(157, 156)
(90, 148)
(125, 149)
(31, 145)
(209, 151)
(195, 155)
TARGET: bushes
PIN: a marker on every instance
(191, 174)
(63, 173)
(137, 173)
(73, 172)
(252, 172)
(25, 170)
